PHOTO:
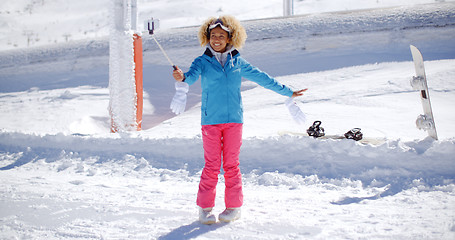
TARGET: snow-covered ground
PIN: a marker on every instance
(64, 176)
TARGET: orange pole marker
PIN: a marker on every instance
(138, 78)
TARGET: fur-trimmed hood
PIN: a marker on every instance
(237, 31)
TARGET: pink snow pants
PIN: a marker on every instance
(221, 145)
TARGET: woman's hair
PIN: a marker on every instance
(237, 32)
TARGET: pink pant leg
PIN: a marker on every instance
(211, 139)
(232, 141)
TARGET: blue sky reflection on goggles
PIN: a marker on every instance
(219, 23)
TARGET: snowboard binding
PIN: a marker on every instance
(424, 122)
(354, 134)
(316, 130)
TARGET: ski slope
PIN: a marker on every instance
(64, 176)
(25, 23)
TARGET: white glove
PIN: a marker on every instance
(178, 103)
(295, 111)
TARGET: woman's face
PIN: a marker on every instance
(219, 39)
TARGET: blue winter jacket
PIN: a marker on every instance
(221, 98)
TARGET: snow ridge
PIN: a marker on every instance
(394, 162)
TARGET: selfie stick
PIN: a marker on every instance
(151, 28)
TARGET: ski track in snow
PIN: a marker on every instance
(64, 176)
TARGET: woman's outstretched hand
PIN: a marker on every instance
(299, 93)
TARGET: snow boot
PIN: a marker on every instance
(206, 216)
(230, 214)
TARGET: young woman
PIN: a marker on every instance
(221, 69)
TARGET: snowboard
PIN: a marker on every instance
(419, 82)
(364, 140)
(318, 132)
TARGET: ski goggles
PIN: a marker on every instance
(219, 23)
